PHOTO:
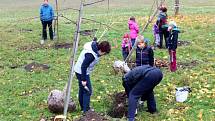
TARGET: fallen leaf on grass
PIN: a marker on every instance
(200, 114)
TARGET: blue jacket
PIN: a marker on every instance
(138, 73)
(173, 39)
(144, 56)
(46, 12)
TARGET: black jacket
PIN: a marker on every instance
(173, 39)
(144, 56)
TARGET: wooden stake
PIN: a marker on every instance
(72, 60)
(56, 2)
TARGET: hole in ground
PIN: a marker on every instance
(118, 107)
(63, 45)
(34, 66)
(88, 32)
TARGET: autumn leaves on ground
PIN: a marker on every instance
(24, 93)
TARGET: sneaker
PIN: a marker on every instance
(141, 102)
(136, 112)
(42, 42)
(141, 105)
(91, 109)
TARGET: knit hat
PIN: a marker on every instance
(126, 35)
(172, 24)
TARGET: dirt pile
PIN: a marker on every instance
(118, 107)
(92, 116)
(161, 63)
(34, 66)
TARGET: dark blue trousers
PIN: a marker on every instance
(49, 24)
(164, 34)
(124, 54)
(84, 95)
(133, 41)
(143, 88)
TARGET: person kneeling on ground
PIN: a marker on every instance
(140, 82)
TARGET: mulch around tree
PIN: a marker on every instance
(34, 66)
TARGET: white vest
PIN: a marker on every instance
(87, 49)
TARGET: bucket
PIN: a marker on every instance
(182, 93)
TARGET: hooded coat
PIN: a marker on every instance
(173, 38)
(134, 29)
(46, 12)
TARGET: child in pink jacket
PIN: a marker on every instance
(126, 46)
(134, 29)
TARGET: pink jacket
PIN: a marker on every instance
(126, 44)
(134, 29)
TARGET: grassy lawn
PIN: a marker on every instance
(24, 94)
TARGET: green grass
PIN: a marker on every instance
(24, 94)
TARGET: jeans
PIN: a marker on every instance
(44, 34)
(133, 41)
(84, 95)
(143, 88)
(124, 54)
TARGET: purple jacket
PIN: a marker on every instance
(155, 29)
(134, 29)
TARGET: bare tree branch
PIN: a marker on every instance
(93, 2)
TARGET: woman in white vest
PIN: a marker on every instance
(88, 58)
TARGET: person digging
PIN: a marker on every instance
(138, 83)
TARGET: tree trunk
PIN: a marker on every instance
(176, 7)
